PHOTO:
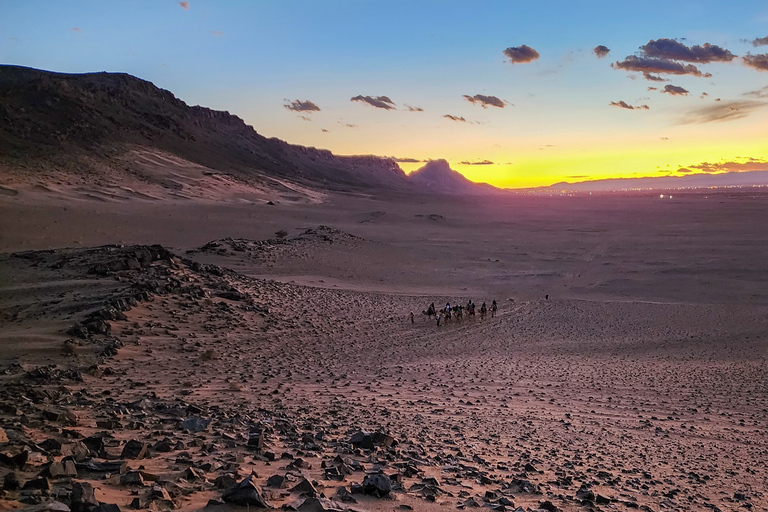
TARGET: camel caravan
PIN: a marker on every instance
(449, 314)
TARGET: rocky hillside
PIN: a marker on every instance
(438, 177)
(52, 121)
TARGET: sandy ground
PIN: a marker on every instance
(641, 379)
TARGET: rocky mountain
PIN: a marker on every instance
(51, 121)
(438, 177)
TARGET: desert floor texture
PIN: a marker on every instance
(207, 349)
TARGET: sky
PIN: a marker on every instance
(517, 94)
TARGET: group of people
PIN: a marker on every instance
(457, 311)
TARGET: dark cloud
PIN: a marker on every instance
(414, 109)
(653, 88)
(669, 49)
(647, 65)
(217, 33)
(601, 51)
(455, 118)
(324, 130)
(624, 104)
(407, 160)
(742, 165)
(759, 61)
(485, 101)
(481, 162)
(674, 90)
(301, 106)
(521, 54)
(722, 111)
(653, 78)
(184, 5)
(376, 101)
(760, 41)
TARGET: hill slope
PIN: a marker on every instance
(438, 177)
(59, 121)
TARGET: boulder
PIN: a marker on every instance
(83, 497)
(245, 493)
(134, 449)
(377, 485)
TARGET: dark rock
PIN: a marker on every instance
(276, 481)
(245, 493)
(96, 445)
(40, 483)
(62, 469)
(83, 497)
(134, 450)
(227, 480)
(585, 494)
(305, 487)
(548, 506)
(602, 500)
(50, 445)
(132, 478)
(11, 482)
(51, 506)
(362, 439)
(106, 507)
(313, 504)
(192, 474)
(114, 467)
(377, 485)
(256, 440)
(195, 424)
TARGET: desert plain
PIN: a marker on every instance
(158, 348)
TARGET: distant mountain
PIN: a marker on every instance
(726, 179)
(52, 121)
(438, 177)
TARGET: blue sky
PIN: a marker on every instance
(250, 58)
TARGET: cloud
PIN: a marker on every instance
(455, 118)
(601, 51)
(521, 54)
(407, 160)
(737, 165)
(376, 101)
(670, 49)
(653, 88)
(674, 90)
(722, 111)
(760, 93)
(301, 106)
(485, 101)
(760, 41)
(624, 104)
(324, 130)
(481, 162)
(653, 78)
(414, 109)
(184, 5)
(647, 65)
(76, 29)
(759, 61)
(217, 33)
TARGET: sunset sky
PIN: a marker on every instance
(513, 93)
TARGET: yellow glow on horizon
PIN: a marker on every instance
(641, 161)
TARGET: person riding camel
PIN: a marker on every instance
(493, 308)
(483, 309)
